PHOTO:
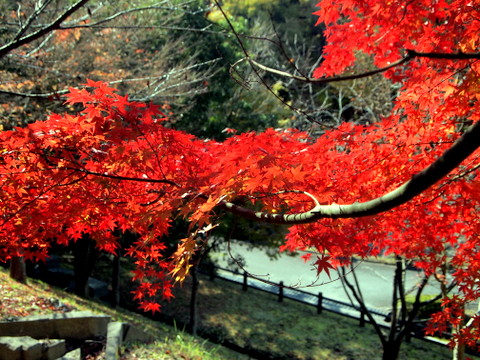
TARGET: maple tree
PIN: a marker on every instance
(405, 185)
(48, 46)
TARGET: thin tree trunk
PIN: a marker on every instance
(459, 349)
(18, 270)
(402, 320)
(85, 255)
(116, 280)
(362, 304)
(193, 302)
(392, 351)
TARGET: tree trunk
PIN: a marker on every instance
(85, 254)
(459, 352)
(18, 270)
(193, 302)
(116, 281)
(391, 350)
(459, 349)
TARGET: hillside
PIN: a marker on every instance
(18, 300)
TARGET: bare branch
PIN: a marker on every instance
(31, 19)
(175, 72)
(116, 15)
(16, 43)
(49, 95)
(328, 79)
(411, 54)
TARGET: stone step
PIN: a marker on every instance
(28, 348)
(72, 355)
(20, 339)
(119, 333)
(72, 325)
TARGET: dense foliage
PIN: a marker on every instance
(114, 166)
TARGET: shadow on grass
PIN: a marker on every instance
(255, 322)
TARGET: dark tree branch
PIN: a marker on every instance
(55, 25)
(328, 79)
(363, 306)
(122, 178)
(257, 74)
(415, 308)
(116, 15)
(444, 56)
(401, 268)
(411, 54)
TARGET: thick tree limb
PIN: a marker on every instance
(451, 158)
(445, 56)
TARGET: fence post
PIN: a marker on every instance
(362, 318)
(245, 285)
(212, 272)
(280, 292)
(320, 303)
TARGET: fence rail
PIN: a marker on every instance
(317, 300)
(284, 292)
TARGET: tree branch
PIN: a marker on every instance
(175, 72)
(51, 95)
(363, 306)
(445, 56)
(328, 79)
(31, 19)
(116, 15)
(14, 44)
(411, 54)
(419, 182)
(122, 178)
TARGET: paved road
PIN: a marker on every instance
(375, 279)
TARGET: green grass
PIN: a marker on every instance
(252, 319)
(288, 330)
(181, 346)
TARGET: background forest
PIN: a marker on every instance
(179, 53)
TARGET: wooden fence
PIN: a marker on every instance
(317, 300)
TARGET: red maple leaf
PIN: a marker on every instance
(323, 265)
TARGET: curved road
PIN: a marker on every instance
(376, 280)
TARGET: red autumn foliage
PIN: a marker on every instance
(114, 166)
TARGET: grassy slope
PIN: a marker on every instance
(17, 300)
(287, 330)
(251, 319)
